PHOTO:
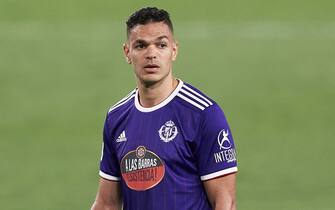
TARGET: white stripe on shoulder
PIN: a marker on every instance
(198, 94)
(123, 101)
(191, 102)
(109, 177)
(194, 97)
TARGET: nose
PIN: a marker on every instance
(151, 53)
(149, 57)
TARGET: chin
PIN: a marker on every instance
(150, 80)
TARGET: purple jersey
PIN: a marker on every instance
(162, 154)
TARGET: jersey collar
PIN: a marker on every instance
(161, 104)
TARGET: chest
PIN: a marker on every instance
(162, 134)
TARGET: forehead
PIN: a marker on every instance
(150, 31)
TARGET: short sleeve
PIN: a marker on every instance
(109, 165)
(216, 154)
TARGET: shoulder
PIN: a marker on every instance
(118, 112)
(123, 104)
(199, 114)
(194, 104)
(194, 99)
(199, 104)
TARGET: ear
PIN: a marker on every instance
(126, 52)
(174, 50)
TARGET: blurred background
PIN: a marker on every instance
(269, 64)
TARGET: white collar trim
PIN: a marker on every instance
(161, 104)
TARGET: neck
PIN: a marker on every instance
(153, 94)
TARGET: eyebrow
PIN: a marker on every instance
(162, 37)
(158, 38)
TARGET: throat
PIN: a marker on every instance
(155, 94)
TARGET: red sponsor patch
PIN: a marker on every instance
(142, 169)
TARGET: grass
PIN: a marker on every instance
(272, 73)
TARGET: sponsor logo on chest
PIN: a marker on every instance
(142, 169)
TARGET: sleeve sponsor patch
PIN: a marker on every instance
(227, 151)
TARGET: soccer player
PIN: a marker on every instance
(166, 145)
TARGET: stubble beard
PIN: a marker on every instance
(150, 83)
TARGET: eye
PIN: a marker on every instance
(162, 45)
(139, 46)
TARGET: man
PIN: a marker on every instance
(166, 145)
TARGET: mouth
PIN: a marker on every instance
(151, 66)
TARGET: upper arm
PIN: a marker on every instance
(215, 154)
(221, 192)
(109, 164)
(109, 192)
(216, 157)
(109, 196)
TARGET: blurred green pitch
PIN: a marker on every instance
(269, 64)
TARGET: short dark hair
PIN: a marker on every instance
(148, 15)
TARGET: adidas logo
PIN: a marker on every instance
(122, 137)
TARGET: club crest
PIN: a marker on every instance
(168, 131)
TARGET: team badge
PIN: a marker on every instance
(168, 131)
(223, 140)
(142, 169)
